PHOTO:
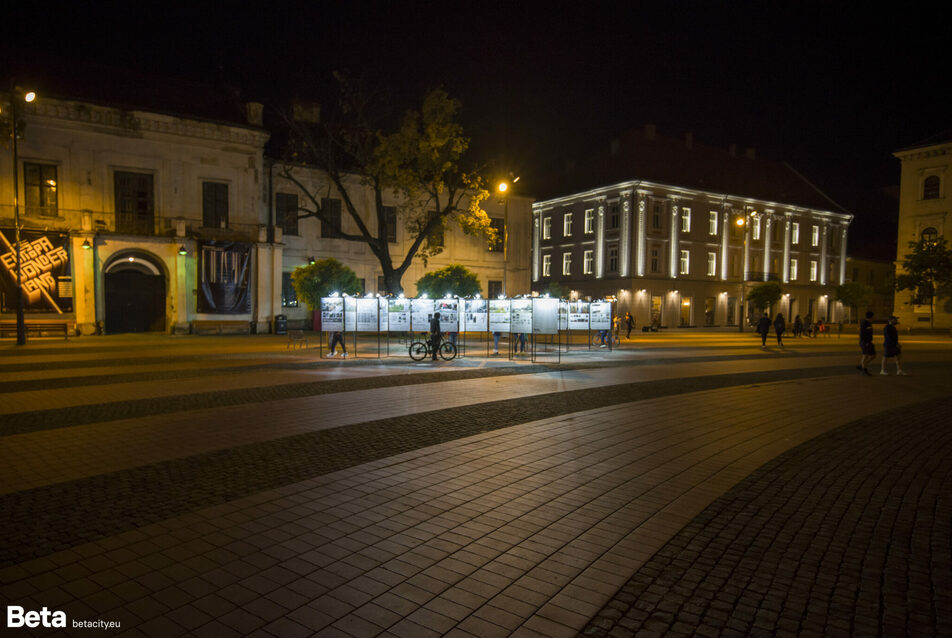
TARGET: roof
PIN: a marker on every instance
(644, 155)
(945, 137)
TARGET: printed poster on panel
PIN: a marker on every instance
(350, 314)
(421, 311)
(399, 314)
(521, 316)
(449, 314)
(476, 317)
(498, 315)
(332, 314)
(545, 316)
(367, 315)
(382, 313)
(578, 315)
(563, 314)
(44, 262)
(601, 315)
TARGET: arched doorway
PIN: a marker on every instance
(134, 291)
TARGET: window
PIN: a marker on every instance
(685, 262)
(712, 223)
(566, 263)
(930, 187)
(567, 225)
(214, 205)
(499, 225)
(793, 270)
(39, 186)
(813, 270)
(288, 296)
(685, 220)
(390, 219)
(711, 264)
(381, 285)
(655, 261)
(587, 259)
(613, 259)
(494, 287)
(546, 265)
(815, 236)
(135, 208)
(656, 216)
(929, 235)
(755, 228)
(795, 233)
(589, 222)
(331, 209)
(286, 213)
(546, 228)
(613, 219)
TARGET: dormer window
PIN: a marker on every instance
(930, 187)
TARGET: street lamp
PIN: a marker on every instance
(742, 223)
(28, 96)
(503, 189)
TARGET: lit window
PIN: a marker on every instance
(685, 261)
(567, 225)
(711, 264)
(685, 220)
(546, 265)
(930, 187)
(795, 233)
(39, 185)
(546, 228)
(793, 270)
(929, 235)
(589, 221)
(815, 236)
(813, 270)
(566, 263)
(755, 227)
(587, 259)
(712, 223)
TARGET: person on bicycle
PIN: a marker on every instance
(435, 333)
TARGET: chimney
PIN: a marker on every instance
(616, 145)
(651, 131)
(254, 113)
(750, 153)
(689, 140)
(732, 149)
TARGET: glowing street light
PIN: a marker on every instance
(28, 96)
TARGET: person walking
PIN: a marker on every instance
(435, 334)
(891, 347)
(866, 347)
(630, 324)
(797, 327)
(808, 325)
(780, 326)
(763, 327)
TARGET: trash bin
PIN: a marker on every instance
(281, 325)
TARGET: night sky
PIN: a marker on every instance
(832, 89)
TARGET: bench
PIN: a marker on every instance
(296, 337)
(37, 328)
(221, 327)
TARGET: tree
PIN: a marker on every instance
(928, 272)
(557, 290)
(854, 294)
(321, 279)
(416, 166)
(765, 295)
(453, 279)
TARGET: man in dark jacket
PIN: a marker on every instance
(866, 347)
(435, 333)
(763, 327)
(891, 349)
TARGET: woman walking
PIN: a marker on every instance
(779, 327)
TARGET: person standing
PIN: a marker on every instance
(866, 347)
(435, 334)
(808, 325)
(780, 326)
(891, 347)
(763, 327)
(337, 338)
(797, 326)
(630, 324)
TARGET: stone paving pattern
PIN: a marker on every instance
(481, 498)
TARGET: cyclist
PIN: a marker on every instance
(435, 333)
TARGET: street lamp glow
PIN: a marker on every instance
(740, 221)
(502, 187)
(29, 96)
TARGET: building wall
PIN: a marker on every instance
(881, 277)
(923, 205)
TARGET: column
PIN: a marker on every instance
(843, 255)
(675, 254)
(624, 243)
(536, 234)
(824, 253)
(640, 237)
(768, 227)
(786, 247)
(725, 239)
(600, 240)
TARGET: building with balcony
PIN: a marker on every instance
(678, 232)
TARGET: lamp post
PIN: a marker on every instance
(28, 96)
(742, 223)
(503, 189)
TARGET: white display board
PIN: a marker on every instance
(449, 314)
(332, 314)
(578, 315)
(421, 310)
(499, 315)
(563, 315)
(398, 314)
(601, 312)
(476, 316)
(520, 313)
(350, 314)
(367, 315)
(545, 316)
(383, 314)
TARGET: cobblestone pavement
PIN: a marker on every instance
(230, 487)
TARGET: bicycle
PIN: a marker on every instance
(420, 350)
(609, 339)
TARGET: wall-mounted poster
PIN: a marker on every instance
(350, 314)
(367, 315)
(224, 268)
(421, 310)
(449, 314)
(399, 314)
(520, 315)
(498, 315)
(332, 314)
(578, 315)
(563, 315)
(476, 317)
(46, 279)
(545, 316)
(382, 312)
(601, 315)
